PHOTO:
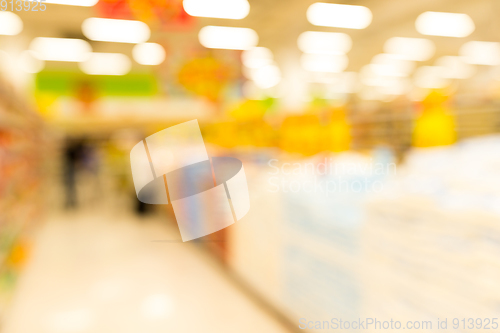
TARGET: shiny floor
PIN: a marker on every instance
(103, 272)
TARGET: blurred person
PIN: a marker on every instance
(89, 176)
(72, 156)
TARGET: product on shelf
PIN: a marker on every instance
(20, 160)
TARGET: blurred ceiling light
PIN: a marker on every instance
(248, 72)
(253, 92)
(369, 75)
(229, 38)
(396, 90)
(390, 65)
(324, 42)
(119, 31)
(400, 86)
(333, 79)
(444, 24)
(455, 67)
(82, 3)
(257, 57)
(432, 77)
(106, 64)
(325, 78)
(29, 62)
(149, 54)
(324, 63)
(339, 16)
(267, 76)
(224, 9)
(481, 53)
(10, 24)
(414, 49)
(61, 49)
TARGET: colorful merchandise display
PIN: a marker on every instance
(21, 150)
(206, 77)
(354, 250)
(241, 166)
(166, 12)
(435, 126)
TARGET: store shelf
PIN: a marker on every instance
(20, 156)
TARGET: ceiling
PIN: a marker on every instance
(278, 24)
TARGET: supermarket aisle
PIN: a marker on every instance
(103, 272)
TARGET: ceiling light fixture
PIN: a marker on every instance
(432, 77)
(455, 67)
(267, 76)
(444, 24)
(370, 76)
(149, 54)
(324, 63)
(339, 16)
(324, 42)
(82, 3)
(387, 64)
(106, 64)
(119, 31)
(10, 24)
(481, 53)
(30, 63)
(257, 57)
(415, 49)
(224, 9)
(229, 38)
(61, 49)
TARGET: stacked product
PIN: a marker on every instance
(431, 242)
(300, 244)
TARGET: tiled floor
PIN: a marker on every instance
(102, 272)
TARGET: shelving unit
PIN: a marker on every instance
(395, 128)
(21, 154)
